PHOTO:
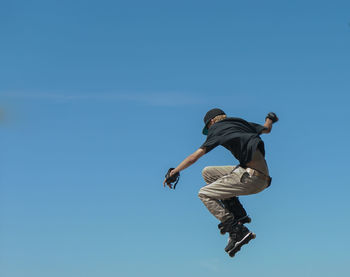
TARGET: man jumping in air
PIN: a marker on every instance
(226, 183)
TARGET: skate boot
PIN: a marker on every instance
(225, 226)
(239, 236)
(244, 219)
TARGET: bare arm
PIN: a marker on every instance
(268, 125)
(191, 159)
(269, 120)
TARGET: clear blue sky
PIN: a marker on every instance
(100, 98)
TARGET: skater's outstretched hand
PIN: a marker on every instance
(173, 174)
(171, 177)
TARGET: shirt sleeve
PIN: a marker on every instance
(258, 128)
(210, 143)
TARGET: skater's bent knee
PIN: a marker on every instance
(205, 171)
(202, 193)
(207, 174)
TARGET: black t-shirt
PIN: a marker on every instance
(240, 137)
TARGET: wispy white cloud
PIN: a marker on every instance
(211, 264)
(166, 99)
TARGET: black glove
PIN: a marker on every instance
(172, 179)
(272, 116)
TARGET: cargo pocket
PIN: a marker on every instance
(253, 183)
(245, 178)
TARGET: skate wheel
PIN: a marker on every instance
(222, 232)
(233, 253)
(253, 236)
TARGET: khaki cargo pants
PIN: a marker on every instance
(225, 182)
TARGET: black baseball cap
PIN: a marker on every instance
(209, 116)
